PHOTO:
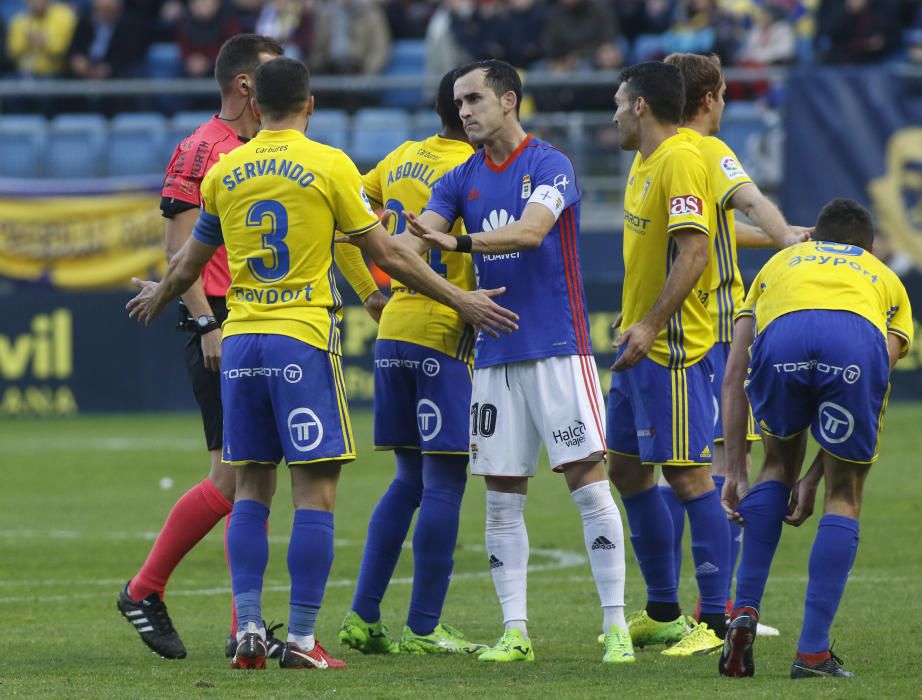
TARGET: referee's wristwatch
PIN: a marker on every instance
(206, 324)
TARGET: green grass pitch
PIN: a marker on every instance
(81, 500)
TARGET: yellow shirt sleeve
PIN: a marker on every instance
(350, 262)
(371, 183)
(726, 174)
(899, 317)
(350, 205)
(748, 307)
(687, 192)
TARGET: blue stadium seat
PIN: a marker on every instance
(24, 139)
(76, 144)
(8, 8)
(741, 120)
(164, 61)
(329, 126)
(137, 144)
(424, 124)
(183, 124)
(376, 132)
(408, 57)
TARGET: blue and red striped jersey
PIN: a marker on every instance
(543, 286)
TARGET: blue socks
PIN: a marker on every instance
(763, 509)
(736, 538)
(831, 560)
(651, 537)
(387, 529)
(248, 552)
(310, 557)
(710, 544)
(677, 513)
(434, 539)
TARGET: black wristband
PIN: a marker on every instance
(465, 244)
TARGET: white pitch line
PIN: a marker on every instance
(105, 444)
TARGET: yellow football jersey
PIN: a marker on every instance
(666, 193)
(402, 182)
(725, 177)
(277, 201)
(832, 277)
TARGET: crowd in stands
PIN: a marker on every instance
(110, 38)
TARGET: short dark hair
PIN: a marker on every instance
(283, 85)
(445, 105)
(500, 77)
(240, 54)
(845, 221)
(661, 87)
(701, 75)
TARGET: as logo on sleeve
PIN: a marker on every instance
(685, 204)
(732, 169)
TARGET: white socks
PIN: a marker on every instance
(507, 550)
(603, 534)
(306, 643)
(251, 628)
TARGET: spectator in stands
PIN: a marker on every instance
(515, 33)
(408, 19)
(201, 35)
(289, 22)
(39, 38)
(637, 17)
(247, 12)
(108, 42)
(582, 34)
(706, 27)
(350, 37)
(857, 31)
(443, 50)
(771, 40)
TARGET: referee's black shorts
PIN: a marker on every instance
(206, 385)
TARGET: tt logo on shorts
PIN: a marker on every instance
(292, 374)
(429, 419)
(305, 429)
(431, 367)
(836, 424)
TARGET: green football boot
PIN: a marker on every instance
(646, 631)
(512, 646)
(366, 637)
(444, 639)
(618, 646)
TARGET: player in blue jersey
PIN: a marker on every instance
(538, 385)
(814, 346)
(275, 202)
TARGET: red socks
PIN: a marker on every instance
(814, 659)
(192, 517)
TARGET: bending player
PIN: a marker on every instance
(275, 203)
(801, 305)
(422, 398)
(540, 384)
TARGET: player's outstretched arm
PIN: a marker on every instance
(525, 234)
(735, 412)
(694, 249)
(184, 269)
(397, 258)
(773, 230)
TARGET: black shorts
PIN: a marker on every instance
(206, 385)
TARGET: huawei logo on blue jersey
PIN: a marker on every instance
(496, 219)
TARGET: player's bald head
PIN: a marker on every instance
(283, 86)
(845, 221)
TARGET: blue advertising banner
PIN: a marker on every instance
(62, 353)
(857, 133)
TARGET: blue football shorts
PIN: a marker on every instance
(717, 356)
(663, 416)
(824, 370)
(422, 399)
(283, 398)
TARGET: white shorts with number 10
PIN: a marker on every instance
(516, 407)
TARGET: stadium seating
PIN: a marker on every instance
(330, 126)
(741, 121)
(76, 144)
(424, 124)
(376, 132)
(183, 124)
(137, 144)
(408, 57)
(24, 140)
(164, 61)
